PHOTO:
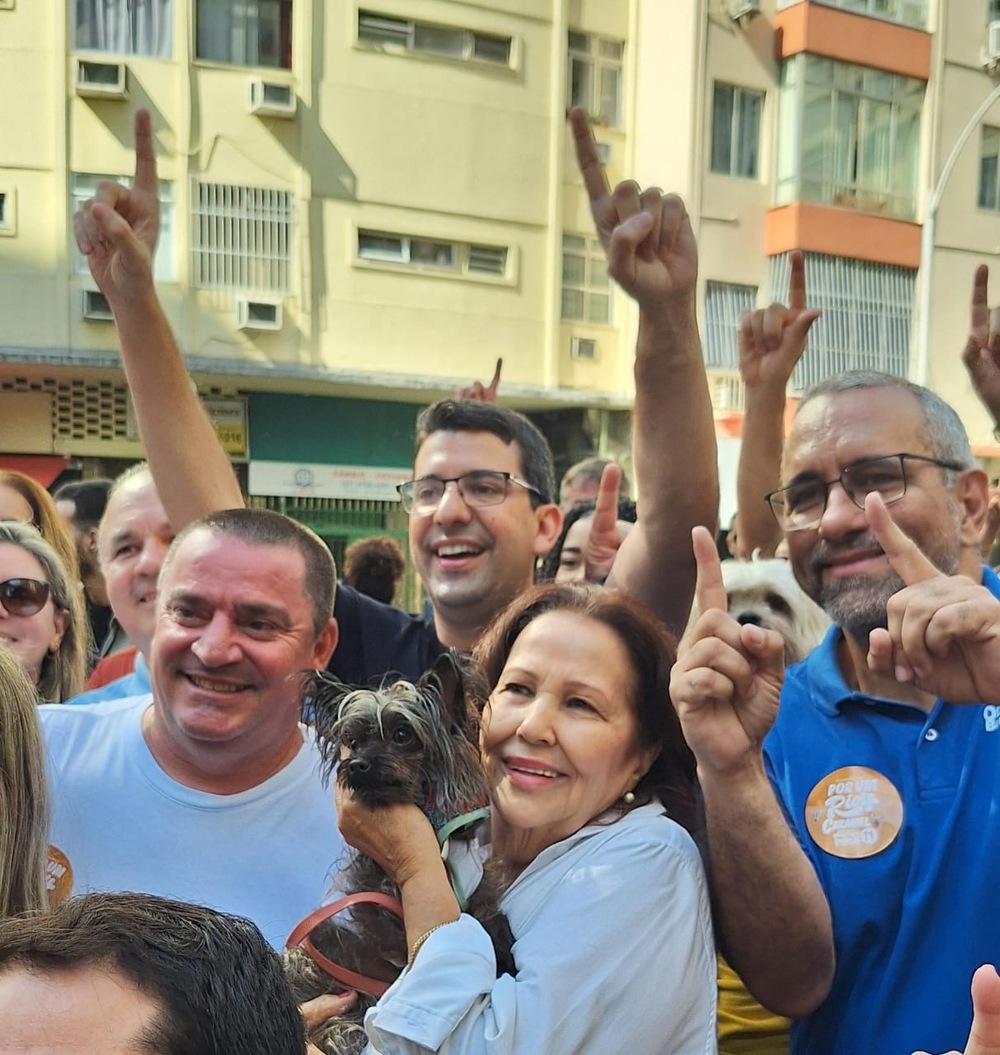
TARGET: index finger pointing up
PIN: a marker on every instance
(797, 282)
(904, 555)
(594, 177)
(145, 155)
(709, 591)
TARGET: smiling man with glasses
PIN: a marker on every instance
(891, 792)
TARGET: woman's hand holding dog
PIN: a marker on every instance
(727, 678)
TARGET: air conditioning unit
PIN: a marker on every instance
(98, 79)
(254, 314)
(583, 348)
(991, 60)
(743, 10)
(270, 98)
(96, 307)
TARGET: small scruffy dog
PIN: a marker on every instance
(764, 592)
(402, 743)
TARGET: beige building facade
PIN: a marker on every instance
(366, 203)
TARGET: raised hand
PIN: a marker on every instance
(478, 391)
(943, 633)
(646, 234)
(981, 354)
(772, 339)
(116, 230)
(984, 1038)
(605, 539)
(727, 678)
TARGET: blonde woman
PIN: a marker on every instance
(23, 797)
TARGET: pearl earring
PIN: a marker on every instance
(628, 798)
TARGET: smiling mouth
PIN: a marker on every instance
(208, 685)
(456, 552)
(532, 771)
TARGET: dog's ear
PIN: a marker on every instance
(322, 695)
(446, 681)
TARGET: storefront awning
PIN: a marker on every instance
(45, 468)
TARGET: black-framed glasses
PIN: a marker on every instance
(801, 505)
(23, 596)
(483, 487)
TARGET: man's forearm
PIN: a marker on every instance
(192, 471)
(675, 464)
(759, 470)
(772, 917)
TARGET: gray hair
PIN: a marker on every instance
(63, 672)
(943, 429)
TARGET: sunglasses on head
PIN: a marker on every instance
(23, 596)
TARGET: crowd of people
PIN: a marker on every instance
(700, 849)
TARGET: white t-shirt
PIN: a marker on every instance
(120, 823)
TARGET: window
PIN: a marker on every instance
(126, 27)
(848, 136)
(723, 303)
(867, 316)
(989, 168)
(586, 288)
(241, 238)
(165, 261)
(465, 44)
(908, 12)
(993, 10)
(736, 131)
(595, 76)
(8, 219)
(431, 254)
(246, 32)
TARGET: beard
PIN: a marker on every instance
(857, 603)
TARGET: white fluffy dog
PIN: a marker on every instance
(764, 592)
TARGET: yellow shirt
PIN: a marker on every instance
(745, 1028)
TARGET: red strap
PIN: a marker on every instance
(300, 936)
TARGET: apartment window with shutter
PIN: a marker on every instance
(452, 42)
(432, 254)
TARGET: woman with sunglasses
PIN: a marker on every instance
(42, 621)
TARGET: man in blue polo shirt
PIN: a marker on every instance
(869, 923)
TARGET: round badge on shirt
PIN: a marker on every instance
(854, 812)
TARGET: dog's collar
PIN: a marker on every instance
(444, 834)
(374, 987)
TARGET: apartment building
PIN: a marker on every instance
(366, 202)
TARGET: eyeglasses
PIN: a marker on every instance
(484, 487)
(801, 506)
(23, 596)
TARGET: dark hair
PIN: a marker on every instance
(89, 498)
(374, 566)
(473, 415)
(221, 986)
(550, 563)
(652, 651)
(262, 527)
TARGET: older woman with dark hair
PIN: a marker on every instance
(593, 796)
(42, 620)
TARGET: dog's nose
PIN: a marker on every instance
(359, 766)
(749, 619)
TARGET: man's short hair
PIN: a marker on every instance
(473, 415)
(592, 469)
(220, 985)
(946, 436)
(262, 527)
(89, 498)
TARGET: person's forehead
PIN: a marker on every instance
(17, 562)
(134, 501)
(831, 431)
(451, 453)
(213, 560)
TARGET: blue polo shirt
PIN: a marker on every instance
(915, 910)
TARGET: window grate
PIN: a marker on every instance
(866, 321)
(723, 303)
(241, 238)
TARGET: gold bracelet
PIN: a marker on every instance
(418, 942)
